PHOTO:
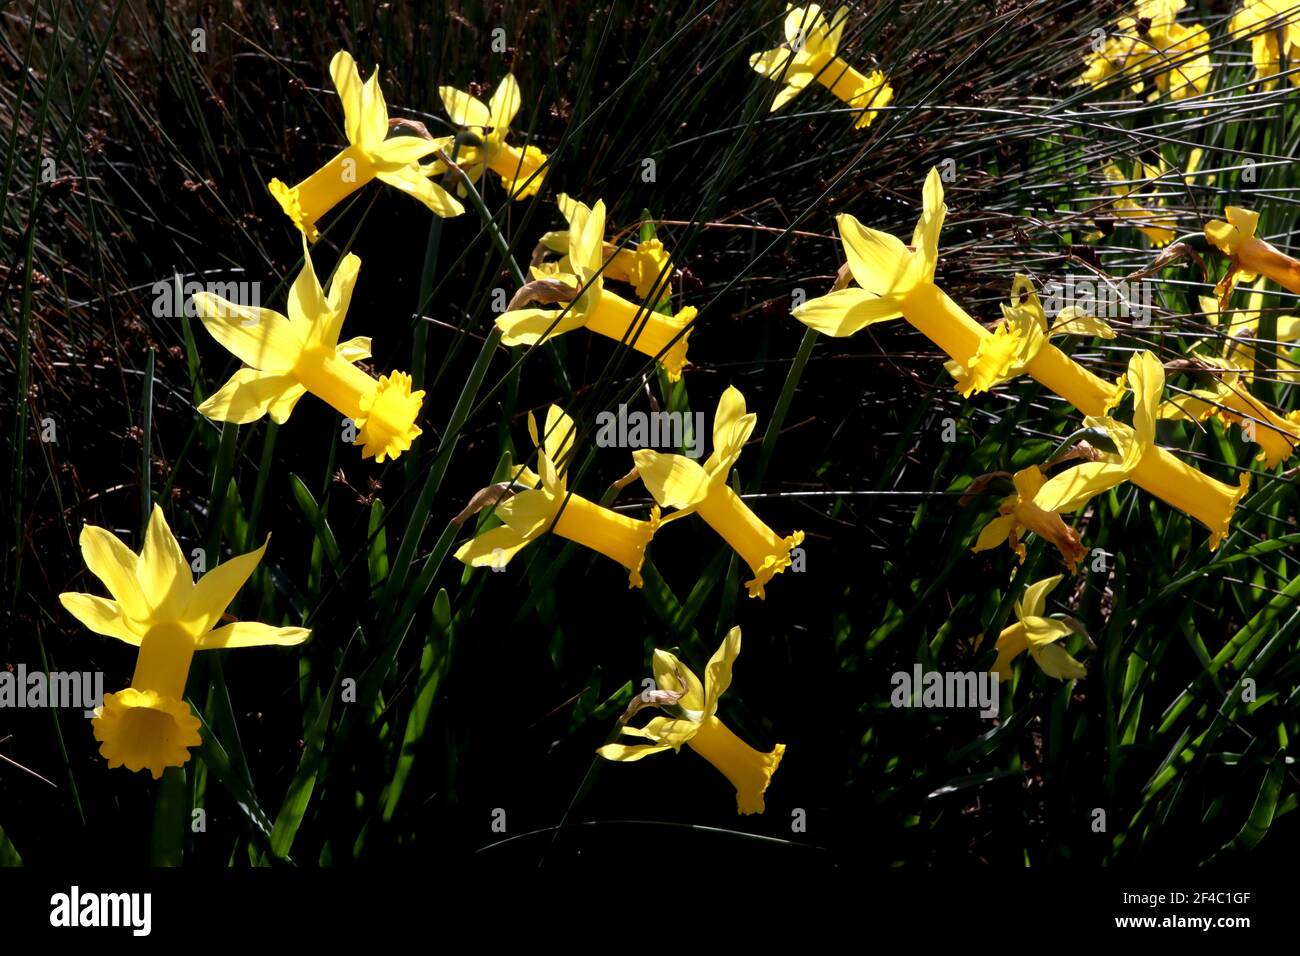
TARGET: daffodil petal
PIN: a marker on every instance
(846, 312)
(995, 532)
(879, 262)
(464, 109)
(1074, 487)
(163, 573)
(99, 615)
(213, 592)
(258, 337)
(250, 394)
(410, 180)
(666, 668)
(717, 674)
(673, 480)
(251, 634)
(347, 80)
(505, 102)
(114, 564)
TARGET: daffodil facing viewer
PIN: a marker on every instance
(370, 154)
(586, 303)
(288, 356)
(158, 607)
(1137, 459)
(676, 481)
(1017, 513)
(545, 504)
(696, 724)
(1037, 634)
(895, 280)
(521, 170)
(810, 52)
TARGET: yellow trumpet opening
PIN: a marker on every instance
(646, 331)
(765, 551)
(642, 267)
(750, 771)
(145, 730)
(386, 422)
(516, 167)
(1209, 501)
(614, 535)
(324, 189)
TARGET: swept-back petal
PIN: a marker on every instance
(162, 570)
(115, 564)
(257, 337)
(100, 615)
(528, 326)
(846, 312)
(1034, 599)
(879, 262)
(1074, 487)
(213, 592)
(667, 668)
(492, 549)
(251, 634)
(250, 394)
(717, 674)
(347, 80)
(464, 109)
(1146, 377)
(505, 103)
(413, 182)
(673, 480)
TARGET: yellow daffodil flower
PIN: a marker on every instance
(1160, 227)
(546, 505)
(1230, 402)
(1249, 256)
(896, 280)
(289, 356)
(1239, 330)
(1018, 339)
(521, 170)
(810, 53)
(697, 725)
(1150, 44)
(370, 154)
(595, 308)
(642, 267)
(1273, 26)
(1018, 513)
(158, 607)
(1037, 634)
(1137, 459)
(676, 481)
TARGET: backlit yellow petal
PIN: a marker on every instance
(251, 634)
(846, 312)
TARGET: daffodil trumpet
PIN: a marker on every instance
(370, 154)
(678, 482)
(811, 52)
(895, 280)
(585, 302)
(1140, 461)
(288, 356)
(694, 708)
(1039, 635)
(157, 606)
(545, 503)
(521, 171)
(1248, 255)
